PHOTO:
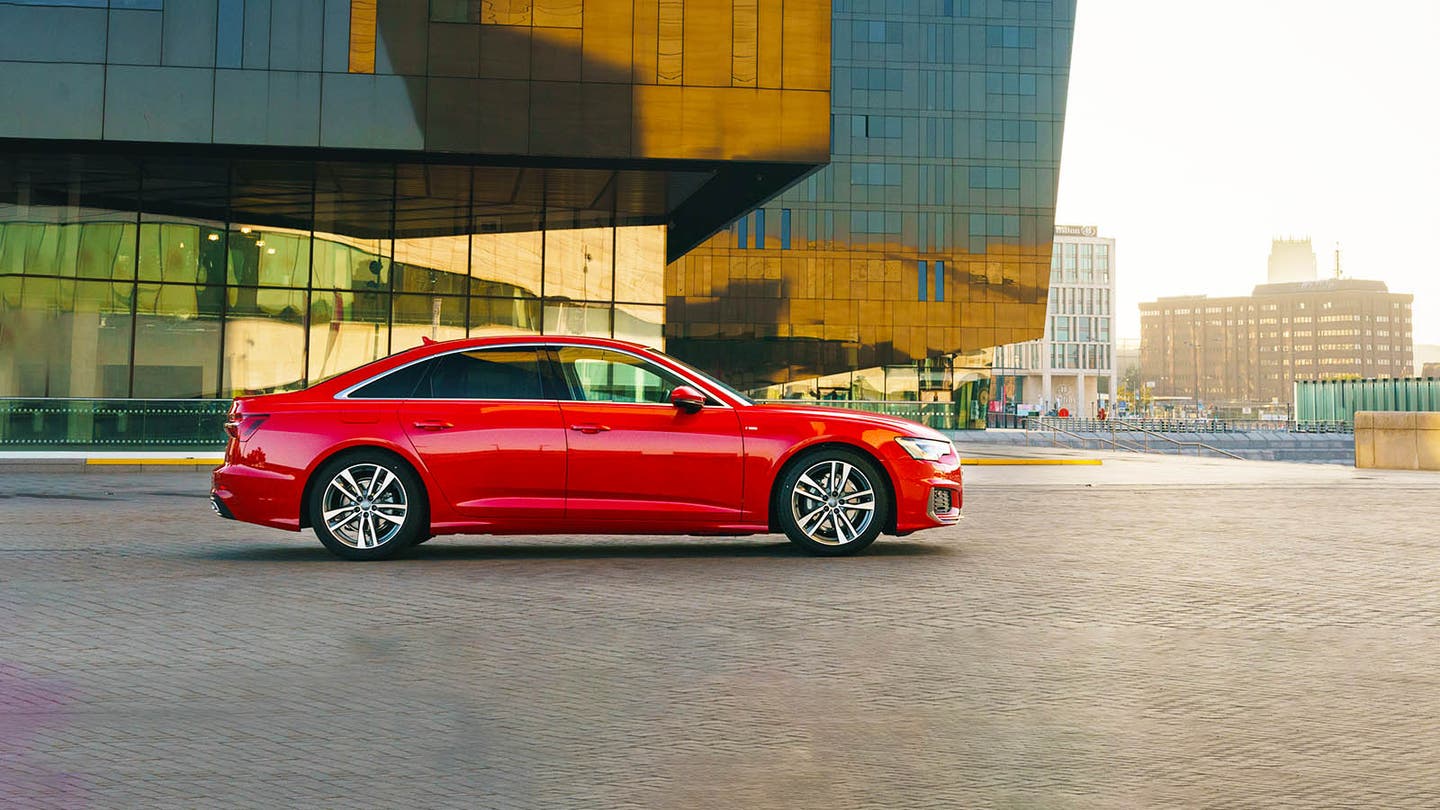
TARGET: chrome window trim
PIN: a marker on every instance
(346, 392)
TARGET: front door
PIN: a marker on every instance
(635, 460)
(492, 439)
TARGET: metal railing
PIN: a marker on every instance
(112, 424)
(1098, 428)
(1165, 425)
(938, 415)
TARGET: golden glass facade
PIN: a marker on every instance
(925, 242)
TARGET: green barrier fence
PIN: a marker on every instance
(113, 424)
(1322, 401)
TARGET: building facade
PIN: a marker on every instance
(1072, 367)
(894, 271)
(1291, 260)
(1251, 350)
(208, 198)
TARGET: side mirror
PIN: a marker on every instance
(687, 399)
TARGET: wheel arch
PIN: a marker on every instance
(351, 450)
(800, 454)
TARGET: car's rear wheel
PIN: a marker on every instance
(368, 506)
(833, 502)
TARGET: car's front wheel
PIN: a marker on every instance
(833, 502)
(368, 506)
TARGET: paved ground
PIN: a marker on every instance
(1155, 632)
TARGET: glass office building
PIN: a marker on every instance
(210, 198)
(891, 273)
(204, 199)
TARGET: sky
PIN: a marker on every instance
(1198, 131)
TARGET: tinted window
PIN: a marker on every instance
(596, 375)
(398, 384)
(487, 374)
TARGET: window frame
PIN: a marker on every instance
(570, 380)
(550, 387)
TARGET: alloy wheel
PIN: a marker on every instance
(364, 506)
(833, 502)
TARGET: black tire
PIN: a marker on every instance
(377, 489)
(833, 502)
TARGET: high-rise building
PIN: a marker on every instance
(207, 198)
(1291, 260)
(1072, 366)
(1251, 350)
(892, 272)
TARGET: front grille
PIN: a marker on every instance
(939, 501)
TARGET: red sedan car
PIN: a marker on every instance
(550, 435)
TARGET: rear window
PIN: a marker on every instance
(398, 384)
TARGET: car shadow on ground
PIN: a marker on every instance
(462, 548)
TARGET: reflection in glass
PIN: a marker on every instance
(640, 264)
(415, 317)
(640, 324)
(348, 328)
(587, 318)
(263, 354)
(63, 338)
(579, 263)
(501, 263)
(504, 316)
(263, 303)
(177, 343)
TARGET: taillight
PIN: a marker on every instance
(243, 426)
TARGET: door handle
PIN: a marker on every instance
(590, 428)
(433, 424)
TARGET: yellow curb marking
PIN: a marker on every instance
(1029, 462)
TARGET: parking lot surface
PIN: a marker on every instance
(1153, 632)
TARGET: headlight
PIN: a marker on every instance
(926, 449)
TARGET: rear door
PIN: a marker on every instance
(489, 429)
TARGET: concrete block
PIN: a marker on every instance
(1364, 420)
(1427, 420)
(1364, 447)
(1394, 420)
(1427, 449)
(1395, 449)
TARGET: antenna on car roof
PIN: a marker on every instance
(426, 340)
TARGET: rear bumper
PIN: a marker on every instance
(249, 495)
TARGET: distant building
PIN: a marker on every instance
(1430, 370)
(1250, 350)
(1073, 365)
(1291, 260)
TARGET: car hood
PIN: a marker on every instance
(895, 423)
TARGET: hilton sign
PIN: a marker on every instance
(1074, 230)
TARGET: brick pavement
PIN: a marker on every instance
(1153, 633)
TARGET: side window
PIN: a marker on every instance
(596, 375)
(398, 384)
(486, 374)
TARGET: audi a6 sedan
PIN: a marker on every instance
(569, 435)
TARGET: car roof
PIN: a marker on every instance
(559, 340)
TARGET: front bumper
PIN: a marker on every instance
(927, 493)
